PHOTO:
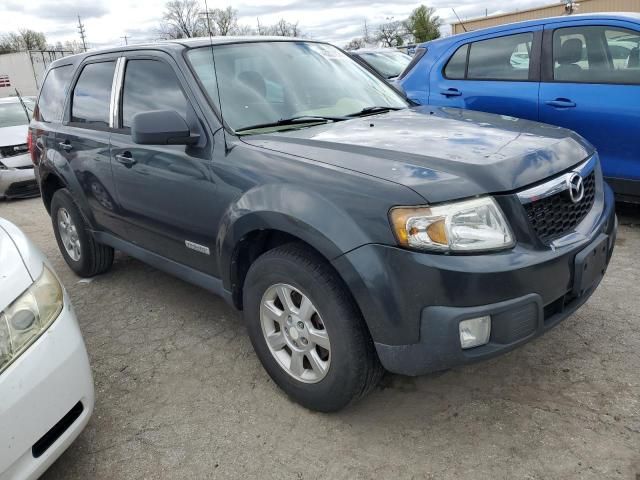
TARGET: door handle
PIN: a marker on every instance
(561, 103)
(126, 159)
(66, 146)
(451, 92)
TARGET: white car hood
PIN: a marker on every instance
(13, 135)
(20, 263)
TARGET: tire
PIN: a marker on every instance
(91, 258)
(353, 366)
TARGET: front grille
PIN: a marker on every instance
(554, 216)
(13, 150)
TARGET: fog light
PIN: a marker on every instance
(475, 331)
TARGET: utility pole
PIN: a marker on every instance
(125, 37)
(207, 13)
(82, 32)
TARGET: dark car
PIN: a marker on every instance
(577, 71)
(388, 62)
(355, 231)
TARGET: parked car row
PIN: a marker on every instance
(580, 72)
(355, 231)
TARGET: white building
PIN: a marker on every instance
(25, 70)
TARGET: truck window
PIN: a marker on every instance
(92, 94)
(53, 94)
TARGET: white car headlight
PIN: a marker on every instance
(465, 226)
(22, 322)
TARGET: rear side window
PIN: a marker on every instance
(504, 58)
(92, 95)
(53, 94)
(455, 69)
(150, 85)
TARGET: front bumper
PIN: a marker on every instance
(18, 183)
(41, 391)
(413, 302)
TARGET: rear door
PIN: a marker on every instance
(497, 74)
(83, 138)
(166, 193)
(591, 84)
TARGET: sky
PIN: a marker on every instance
(337, 21)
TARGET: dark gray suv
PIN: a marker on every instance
(357, 232)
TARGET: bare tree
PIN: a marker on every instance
(283, 29)
(355, 44)
(182, 19)
(391, 33)
(225, 21)
(25, 39)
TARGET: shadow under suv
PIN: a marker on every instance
(357, 232)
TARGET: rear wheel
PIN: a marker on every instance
(80, 250)
(307, 331)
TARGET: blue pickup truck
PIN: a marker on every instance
(580, 72)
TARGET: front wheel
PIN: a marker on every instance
(307, 331)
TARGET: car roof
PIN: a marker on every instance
(179, 44)
(634, 16)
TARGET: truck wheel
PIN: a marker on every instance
(82, 253)
(307, 331)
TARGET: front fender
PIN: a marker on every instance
(306, 215)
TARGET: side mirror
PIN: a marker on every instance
(161, 127)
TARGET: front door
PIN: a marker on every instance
(166, 193)
(496, 75)
(591, 84)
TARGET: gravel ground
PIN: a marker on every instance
(180, 393)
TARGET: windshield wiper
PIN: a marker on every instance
(299, 120)
(373, 110)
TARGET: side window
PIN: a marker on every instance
(92, 94)
(455, 69)
(150, 85)
(596, 54)
(53, 94)
(503, 58)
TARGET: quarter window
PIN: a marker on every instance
(92, 93)
(596, 54)
(150, 85)
(53, 94)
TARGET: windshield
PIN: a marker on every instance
(266, 82)
(12, 114)
(388, 64)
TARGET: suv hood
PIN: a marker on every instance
(441, 153)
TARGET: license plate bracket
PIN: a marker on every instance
(590, 265)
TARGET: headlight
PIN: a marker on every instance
(28, 316)
(466, 226)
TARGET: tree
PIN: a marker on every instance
(391, 33)
(423, 24)
(25, 39)
(281, 28)
(225, 21)
(182, 19)
(355, 44)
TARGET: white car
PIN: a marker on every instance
(17, 179)
(46, 387)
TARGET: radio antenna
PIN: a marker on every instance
(215, 73)
(459, 21)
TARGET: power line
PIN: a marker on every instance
(82, 32)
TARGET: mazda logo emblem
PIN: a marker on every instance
(576, 187)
